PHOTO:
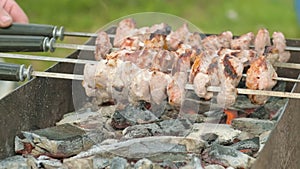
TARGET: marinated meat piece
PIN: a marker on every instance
(142, 58)
(201, 82)
(89, 79)
(95, 82)
(145, 58)
(177, 37)
(156, 42)
(228, 94)
(194, 40)
(163, 61)
(158, 86)
(243, 42)
(182, 62)
(130, 43)
(126, 28)
(225, 39)
(126, 71)
(139, 88)
(277, 52)
(176, 88)
(214, 43)
(260, 77)
(230, 71)
(279, 41)
(103, 46)
(262, 40)
(201, 64)
(204, 73)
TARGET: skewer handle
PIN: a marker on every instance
(14, 72)
(34, 30)
(18, 43)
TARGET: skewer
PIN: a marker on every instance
(82, 61)
(17, 72)
(252, 92)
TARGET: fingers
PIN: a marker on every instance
(5, 18)
(10, 12)
(16, 12)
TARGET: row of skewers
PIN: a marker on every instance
(154, 63)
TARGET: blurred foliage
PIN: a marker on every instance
(211, 16)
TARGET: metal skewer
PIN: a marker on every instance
(82, 61)
(17, 72)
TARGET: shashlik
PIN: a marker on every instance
(152, 64)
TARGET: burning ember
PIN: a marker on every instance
(146, 118)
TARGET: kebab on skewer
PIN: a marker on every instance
(149, 57)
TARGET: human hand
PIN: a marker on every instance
(11, 12)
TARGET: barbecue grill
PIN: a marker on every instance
(41, 102)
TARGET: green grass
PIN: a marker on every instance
(211, 16)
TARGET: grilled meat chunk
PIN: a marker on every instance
(262, 40)
(183, 36)
(103, 46)
(214, 43)
(230, 71)
(126, 28)
(260, 77)
(243, 42)
(176, 88)
(158, 86)
(277, 52)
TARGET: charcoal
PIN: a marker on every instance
(101, 162)
(214, 116)
(82, 163)
(176, 127)
(154, 148)
(132, 115)
(168, 164)
(194, 163)
(245, 135)
(14, 162)
(228, 156)
(248, 146)
(243, 102)
(48, 163)
(254, 126)
(89, 120)
(209, 137)
(225, 133)
(58, 141)
(118, 163)
(260, 113)
(142, 130)
(214, 166)
(143, 164)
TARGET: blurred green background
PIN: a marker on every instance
(211, 16)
